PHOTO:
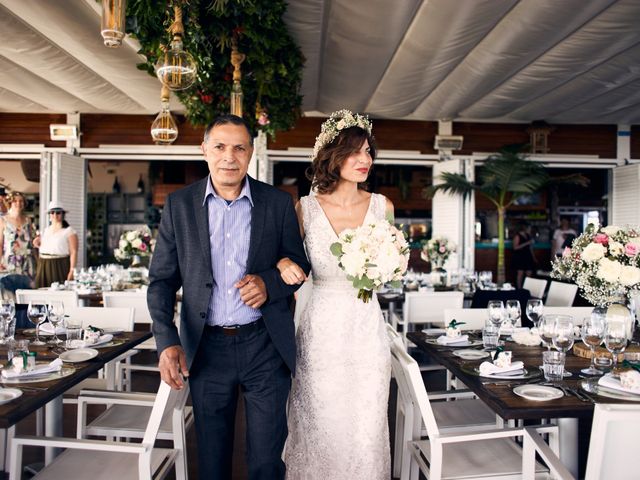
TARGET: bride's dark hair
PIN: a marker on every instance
(324, 171)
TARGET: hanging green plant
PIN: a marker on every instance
(271, 73)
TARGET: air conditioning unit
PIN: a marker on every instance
(448, 142)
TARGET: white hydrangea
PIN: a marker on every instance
(610, 230)
(593, 252)
(629, 275)
(609, 270)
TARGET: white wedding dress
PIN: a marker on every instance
(337, 418)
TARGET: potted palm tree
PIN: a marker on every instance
(503, 178)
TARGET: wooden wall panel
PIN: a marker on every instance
(102, 129)
(29, 128)
(489, 137)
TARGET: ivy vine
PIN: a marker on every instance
(271, 72)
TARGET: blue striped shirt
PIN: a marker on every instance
(229, 235)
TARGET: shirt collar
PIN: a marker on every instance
(245, 192)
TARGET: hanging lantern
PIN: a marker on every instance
(177, 69)
(164, 129)
(113, 22)
(236, 89)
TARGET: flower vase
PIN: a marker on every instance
(439, 277)
(619, 309)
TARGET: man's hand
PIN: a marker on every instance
(253, 291)
(173, 363)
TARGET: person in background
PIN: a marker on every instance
(58, 249)
(561, 234)
(3, 201)
(18, 242)
(523, 259)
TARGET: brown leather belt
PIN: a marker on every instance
(233, 330)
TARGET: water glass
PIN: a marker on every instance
(7, 316)
(534, 310)
(546, 328)
(16, 347)
(592, 334)
(56, 315)
(553, 365)
(74, 332)
(490, 335)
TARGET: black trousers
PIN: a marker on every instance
(222, 365)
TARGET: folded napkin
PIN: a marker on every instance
(527, 337)
(106, 338)
(608, 381)
(444, 340)
(488, 368)
(54, 366)
(48, 328)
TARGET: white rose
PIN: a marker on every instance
(609, 270)
(123, 244)
(616, 248)
(629, 276)
(131, 236)
(593, 252)
(610, 230)
(353, 263)
(136, 243)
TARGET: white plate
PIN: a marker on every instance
(8, 394)
(45, 377)
(591, 385)
(538, 393)
(79, 355)
(471, 354)
(434, 331)
(113, 331)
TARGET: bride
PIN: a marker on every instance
(338, 404)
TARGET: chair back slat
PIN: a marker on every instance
(536, 286)
(137, 300)
(167, 399)
(120, 318)
(429, 307)
(68, 298)
(411, 385)
(561, 294)
(473, 318)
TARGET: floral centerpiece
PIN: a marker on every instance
(437, 250)
(604, 262)
(134, 243)
(372, 255)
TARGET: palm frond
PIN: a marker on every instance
(454, 183)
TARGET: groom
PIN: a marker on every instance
(219, 240)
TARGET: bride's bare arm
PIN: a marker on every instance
(389, 211)
(290, 272)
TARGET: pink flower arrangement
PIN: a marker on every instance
(631, 249)
(601, 238)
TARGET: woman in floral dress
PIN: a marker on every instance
(18, 240)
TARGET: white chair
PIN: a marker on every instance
(473, 318)
(426, 307)
(465, 413)
(561, 294)
(68, 298)
(97, 459)
(490, 453)
(137, 300)
(127, 415)
(114, 318)
(613, 451)
(536, 286)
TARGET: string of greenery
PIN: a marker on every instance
(271, 72)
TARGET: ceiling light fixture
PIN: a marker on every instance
(177, 69)
(164, 129)
(113, 22)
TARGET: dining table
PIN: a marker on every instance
(498, 394)
(48, 392)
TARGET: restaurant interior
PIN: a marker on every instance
(474, 91)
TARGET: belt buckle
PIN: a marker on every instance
(231, 331)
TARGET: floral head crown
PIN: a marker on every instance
(338, 121)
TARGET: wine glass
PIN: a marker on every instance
(546, 327)
(563, 333)
(615, 339)
(7, 314)
(534, 310)
(37, 314)
(513, 312)
(56, 315)
(496, 312)
(592, 333)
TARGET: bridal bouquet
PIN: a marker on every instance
(604, 262)
(372, 255)
(437, 250)
(134, 242)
